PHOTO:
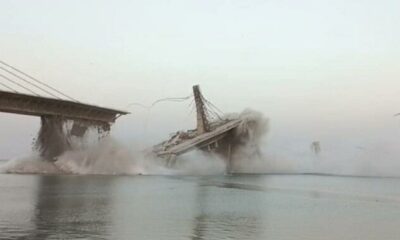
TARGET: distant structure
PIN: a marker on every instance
(316, 147)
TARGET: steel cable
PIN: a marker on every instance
(38, 81)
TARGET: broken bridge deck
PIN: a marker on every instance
(201, 140)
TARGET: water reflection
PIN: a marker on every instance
(83, 207)
(15, 213)
(197, 208)
(223, 217)
(70, 207)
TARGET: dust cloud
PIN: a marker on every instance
(256, 153)
(110, 157)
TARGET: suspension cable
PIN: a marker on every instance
(8, 87)
(211, 109)
(171, 99)
(158, 101)
(22, 86)
(38, 81)
(15, 75)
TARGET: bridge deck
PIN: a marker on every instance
(40, 106)
(201, 140)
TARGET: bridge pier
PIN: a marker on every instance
(78, 129)
(52, 140)
(54, 136)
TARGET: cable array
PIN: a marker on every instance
(21, 80)
(212, 112)
(8, 87)
(19, 85)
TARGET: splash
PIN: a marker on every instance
(29, 165)
(109, 157)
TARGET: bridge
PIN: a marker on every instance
(24, 96)
(42, 106)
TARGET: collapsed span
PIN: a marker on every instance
(225, 136)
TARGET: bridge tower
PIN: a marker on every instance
(202, 122)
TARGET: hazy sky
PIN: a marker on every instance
(318, 69)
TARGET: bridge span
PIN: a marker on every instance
(54, 135)
(43, 106)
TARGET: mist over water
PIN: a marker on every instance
(109, 157)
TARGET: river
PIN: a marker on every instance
(203, 207)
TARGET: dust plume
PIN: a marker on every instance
(110, 157)
(253, 153)
(87, 155)
(249, 136)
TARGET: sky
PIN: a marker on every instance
(319, 70)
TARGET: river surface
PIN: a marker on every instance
(208, 207)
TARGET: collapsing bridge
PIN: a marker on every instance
(220, 136)
(55, 112)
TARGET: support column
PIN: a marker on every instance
(202, 123)
(78, 129)
(51, 141)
